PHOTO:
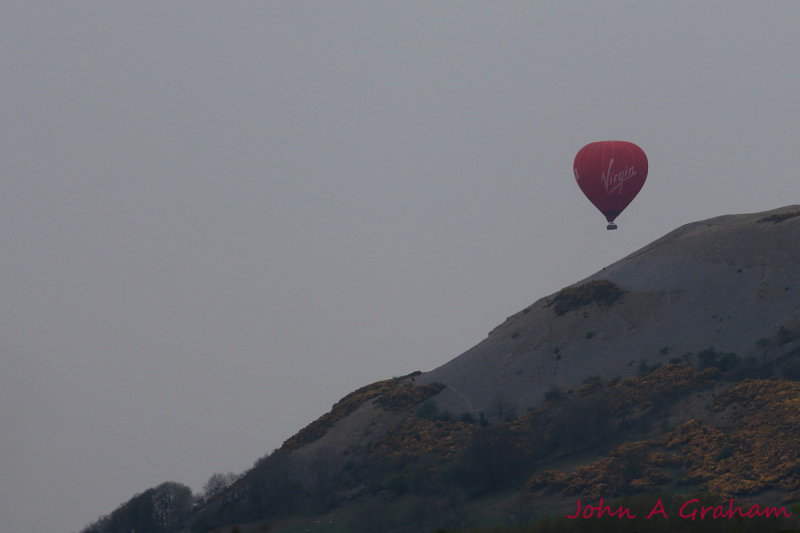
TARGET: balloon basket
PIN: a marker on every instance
(611, 226)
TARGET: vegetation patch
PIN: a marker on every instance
(391, 394)
(416, 437)
(407, 395)
(166, 507)
(754, 453)
(711, 358)
(630, 468)
(778, 218)
(657, 387)
(600, 292)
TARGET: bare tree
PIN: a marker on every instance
(519, 511)
(217, 483)
(503, 409)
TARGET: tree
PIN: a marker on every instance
(217, 483)
(172, 505)
(504, 410)
(166, 507)
(322, 467)
(275, 487)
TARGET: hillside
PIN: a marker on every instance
(673, 370)
(727, 282)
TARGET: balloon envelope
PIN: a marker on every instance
(610, 174)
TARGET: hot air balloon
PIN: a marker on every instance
(610, 174)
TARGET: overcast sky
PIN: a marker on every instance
(218, 218)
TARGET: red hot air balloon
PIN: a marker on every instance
(610, 174)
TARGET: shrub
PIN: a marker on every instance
(553, 395)
(727, 361)
(645, 369)
(724, 453)
(785, 336)
(428, 410)
(601, 292)
(778, 218)
(710, 358)
(467, 418)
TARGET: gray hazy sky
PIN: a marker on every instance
(217, 218)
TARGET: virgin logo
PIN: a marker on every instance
(613, 180)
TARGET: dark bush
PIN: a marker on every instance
(490, 462)
(428, 410)
(778, 218)
(553, 395)
(710, 358)
(467, 418)
(601, 292)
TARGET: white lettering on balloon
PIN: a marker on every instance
(613, 180)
